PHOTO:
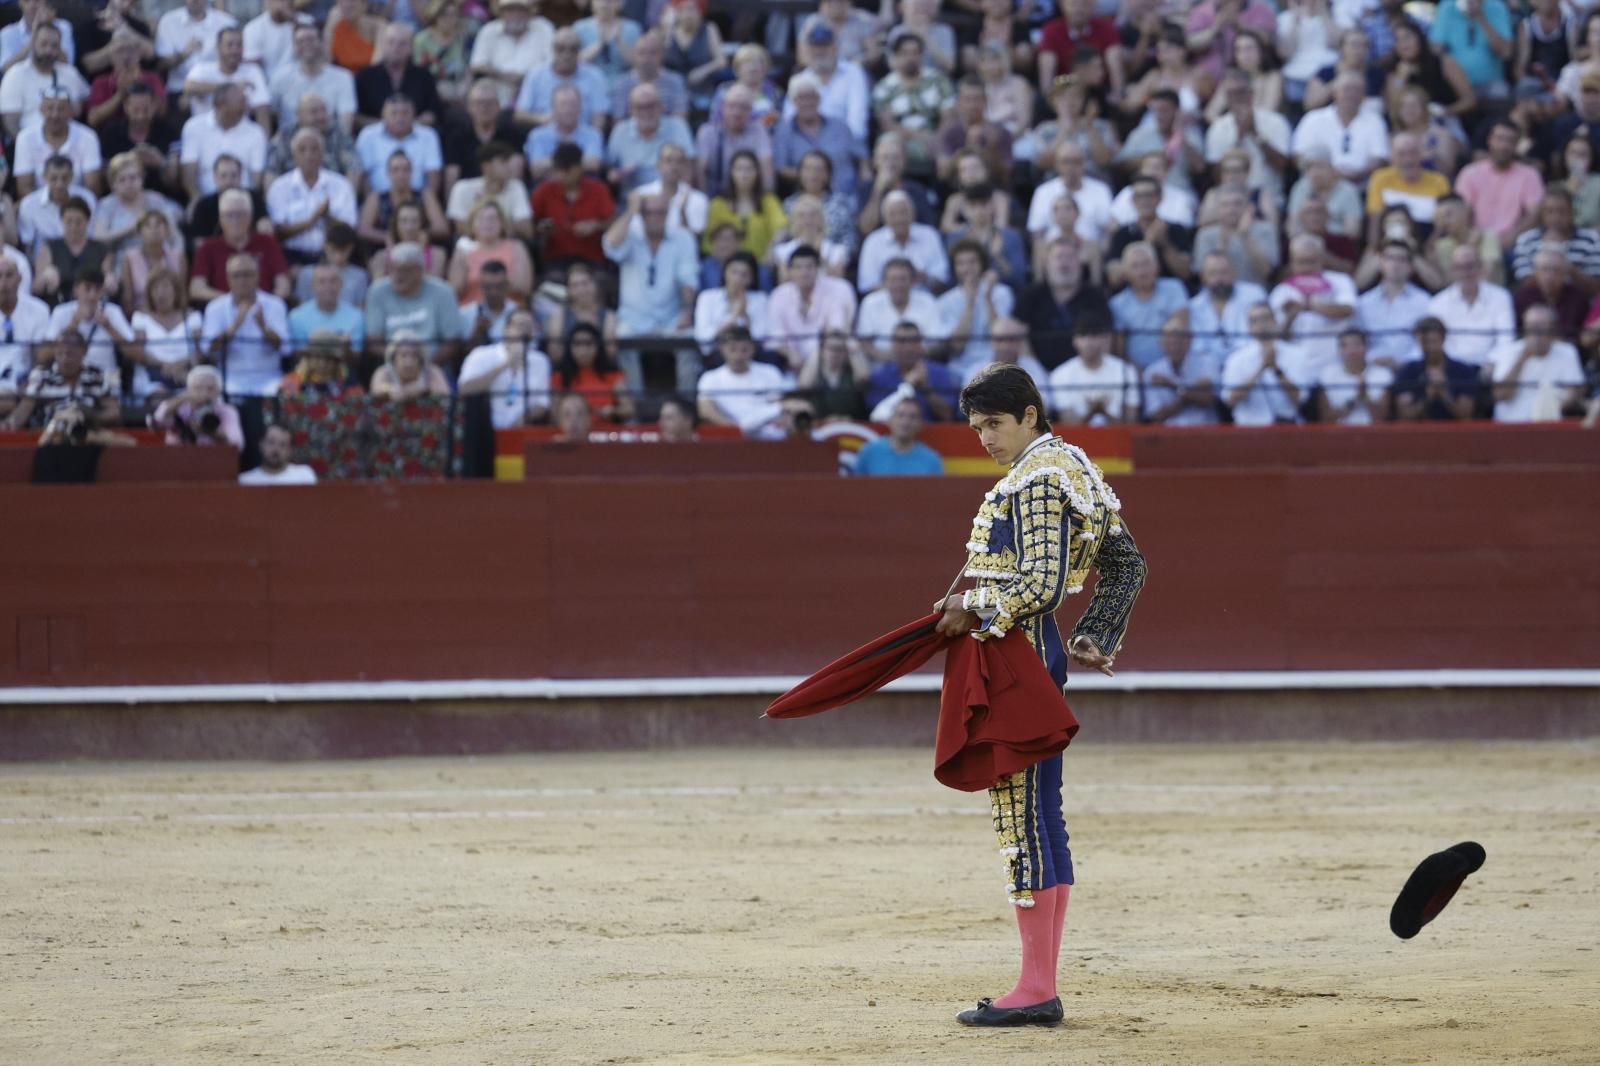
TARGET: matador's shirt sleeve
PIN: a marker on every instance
(1122, 573)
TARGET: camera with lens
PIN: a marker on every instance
(206, 421)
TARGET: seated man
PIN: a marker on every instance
(513, 372)
(496, 161)
(571, 210)
(205, 214)
(536, 95)
(1435, 386)
(1537, 378)
(1354, 392)
(900, 454)
(506, 49)
(65, 378)
(209, 278)
(659, 270)
(326, 310)
(228, 67)
(1265, 379)
(223, 130)
(566, 126)
(101, 323)
(408, 299)
(1180, 388)
(908, 367)
(806, 306)
(304, 202)
(1094, 388)
(337, 251)
(742, 392)
(899, 300)
(243, 332)
(393, 73)
(902, 237)
(486, 318)
(56, 134)
(400, 132)
(39, 212)
(276, 469)
(1314, 303)
(637, 141)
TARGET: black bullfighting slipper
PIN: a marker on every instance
(987, 1014)
(1430, 887)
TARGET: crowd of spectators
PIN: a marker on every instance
(1332, 210)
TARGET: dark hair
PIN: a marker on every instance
(806, 251)
(88, 275)
(969, 246)
(1004, 389)
(1164, 94)
(760, 189)
(1269, 53)
(900, 261)
(492, 266)
(488, 153)
(827, 161)
(1093, 324)
(1353, 331)
(1172, 33)
(77, 203)
(139, 88)
(57, 161)
(972, 81)
(682, 405)
(567, 367)
(340, 235)
(566, 156)
(748, 260)
(1429, 324)
(902, 38)
(1145, 179)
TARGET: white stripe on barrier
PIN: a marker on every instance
(674, 687)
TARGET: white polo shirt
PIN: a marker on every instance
(1266, 402)
(923, 247)
(24, 87)
(516, 389)
(204, 141)
(1094, 207)
(497, 49)
(1340, 386)
(176, 29)
(1316, 334)
(877, 318)
(268, 44)
(1475, 329)
(250, 366)
(1360, 146)
(26, 325)
(1074, 384)
(1540, 383)
(291, 200)
(82, 147)
(248, 77)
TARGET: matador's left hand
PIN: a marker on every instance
(957, 619)
(1088, 653)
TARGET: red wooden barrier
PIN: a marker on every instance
(1266, 569)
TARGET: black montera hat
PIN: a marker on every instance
(1430, 887)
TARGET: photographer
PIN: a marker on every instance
(198, 414)
(61, 379)
(69, 449)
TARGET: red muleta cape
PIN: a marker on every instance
(999, 712)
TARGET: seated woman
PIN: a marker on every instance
(353, 34)
(972, 173)
(1396, 224)
(838, 210)
(406, 373)
(323, 369)
(166, 335)
(158, 249)
(736, 303)
(406, 227)
(199, 414)
(116, 218)
(444, 47)
(1253, 55)
(377, 211)
(490, 241)
(585, 306)
(694, 50)
(586, 369)
(56, 266)
(835, 377)
(746, 203)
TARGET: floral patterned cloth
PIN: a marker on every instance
(359, 438)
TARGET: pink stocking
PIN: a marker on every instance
(1062, 893)
(1038, 929)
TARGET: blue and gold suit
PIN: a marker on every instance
(1037, 535)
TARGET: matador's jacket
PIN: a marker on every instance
(1038, 533)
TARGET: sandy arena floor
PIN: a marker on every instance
(792, 908)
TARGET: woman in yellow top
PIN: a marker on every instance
(746, 204)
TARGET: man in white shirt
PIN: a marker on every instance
(1092, 196)
(899, 300)
(57, 134)
(741, 392)
(1262, 381)
(496, 160)
(224, 130)
(228, 68)
(24, 324)
(512, 45)
(843, 85)
(310, 72)
(1219, 312)
(302, 202)
(1536, 377)
(269, 37)
(513, 372)
(243, 332)
(1389, 311)
(39, 212)
(1010, 345)
(14, 39)
(1479, 313)
(100, 322)
(1180, 388)
(686, 205)
(44, 71)
(1355, 392)
(1094, 387)
(275, 468)
(187, 34)
(902, 237)
(1356, 138)
(1314, 303)
(1264, 135)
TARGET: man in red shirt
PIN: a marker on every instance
(1077, 28)
(571, 210)
(209, 277)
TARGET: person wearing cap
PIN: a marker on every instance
(805, 128)
(229, 68)
(310, 72)
(395, 74)
(533, 103)
(1432, 386)
(26, 83)
(400, 132)
(109, 90)
(57, 133)
(323, 369)
(269, 37)
(858, 36)
(843, 88)
(506, 49)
